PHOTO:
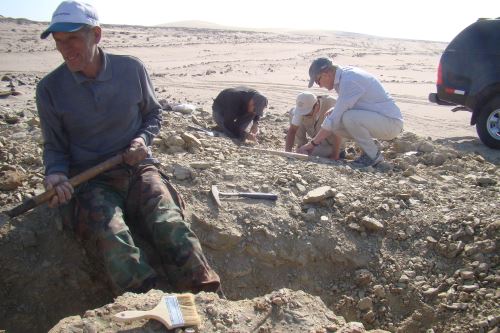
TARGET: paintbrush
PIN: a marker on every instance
(174, 310)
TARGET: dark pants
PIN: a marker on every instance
(140, 197)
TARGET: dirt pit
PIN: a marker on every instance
(409, 246)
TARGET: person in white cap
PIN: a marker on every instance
(93, 106)
(364, 110)
(305, 122)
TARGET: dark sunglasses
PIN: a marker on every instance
(318, 78)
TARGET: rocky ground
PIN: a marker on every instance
(408, 246)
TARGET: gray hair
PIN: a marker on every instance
(260, 103)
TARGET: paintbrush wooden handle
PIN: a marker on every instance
(132, 315)
(156, 314)
(159, 312)
(32, 202)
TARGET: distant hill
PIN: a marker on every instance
(197, 24)
(194, 24)
(19, 20)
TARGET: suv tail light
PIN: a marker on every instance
(440, 75)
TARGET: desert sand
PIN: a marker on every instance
(195, 64)
(410, 247)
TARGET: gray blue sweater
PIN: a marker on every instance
(85, 121)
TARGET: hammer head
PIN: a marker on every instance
(215, 195)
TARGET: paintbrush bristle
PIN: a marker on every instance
(188, 309)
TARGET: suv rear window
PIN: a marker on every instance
(477, 38)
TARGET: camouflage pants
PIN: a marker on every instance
(148, 204)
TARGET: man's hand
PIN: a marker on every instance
(306, 149)
(251, 137)
(253, 133)
(136, 152)
(255, 128)
(63, 188)
(329, 112)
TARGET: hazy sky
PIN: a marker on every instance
(437, 20)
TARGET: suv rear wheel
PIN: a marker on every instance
(488, 124)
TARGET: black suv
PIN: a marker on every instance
(469, 76)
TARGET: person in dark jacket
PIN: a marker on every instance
(235, 108)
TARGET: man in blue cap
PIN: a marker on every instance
(93, 106)
(364, 110)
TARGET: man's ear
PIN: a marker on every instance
(97, 34)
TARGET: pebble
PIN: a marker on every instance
(365, 304)
(182, 173)
(379, 291)
(11, 179)
(425, 147)
(200, 165)
(356, 227)
(418, 180)
(175, 141)
(319, 194)
(301, 188)
(363, 277)
(469, 288)
(467, 275)
(371, 224)
(190, 140)
(486, 181)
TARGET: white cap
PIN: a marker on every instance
(71, 16)
(304, 104)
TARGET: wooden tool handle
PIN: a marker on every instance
(132, 315)
(32, 202)
(252, 195)
(159, 312)
(297, 156)
(280, 153)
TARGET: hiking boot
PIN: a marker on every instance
(366, 161)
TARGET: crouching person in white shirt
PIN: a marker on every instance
(364, 110)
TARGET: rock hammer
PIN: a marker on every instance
(253, 195)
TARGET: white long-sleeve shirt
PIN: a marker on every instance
(358, 89)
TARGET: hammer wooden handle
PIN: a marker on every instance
(32, 202)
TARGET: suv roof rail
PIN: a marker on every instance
(487, 18)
